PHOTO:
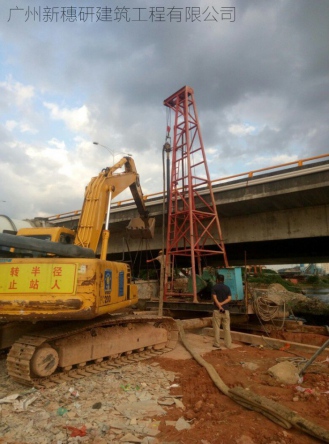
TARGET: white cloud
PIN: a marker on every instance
(275, 160)
(18, 92)
(60, 144)
(27, 128)
(211, 151)
(76, 119)
(241, 129)
(11, 125)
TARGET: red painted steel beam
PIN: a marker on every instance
(189, 229)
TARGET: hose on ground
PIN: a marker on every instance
(272, 410)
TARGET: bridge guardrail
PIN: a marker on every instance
(250, 175)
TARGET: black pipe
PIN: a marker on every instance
(43, 246)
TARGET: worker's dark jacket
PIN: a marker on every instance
(222, 291)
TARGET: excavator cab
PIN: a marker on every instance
(60, 235)
(53, 234)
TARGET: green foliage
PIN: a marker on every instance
(268, 279)
(313, 280)
(325, 279)
(268, 271)
(317, 281)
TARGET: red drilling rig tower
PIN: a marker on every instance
(193, 228)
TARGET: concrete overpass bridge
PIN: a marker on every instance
(269, 216)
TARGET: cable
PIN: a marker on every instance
(256, 312)
(266, 308)
(297, 361)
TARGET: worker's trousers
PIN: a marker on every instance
(222, 319)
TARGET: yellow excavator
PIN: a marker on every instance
(65, 302)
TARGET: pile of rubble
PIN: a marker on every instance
(113, 406)
(277, 293)
(297, 302)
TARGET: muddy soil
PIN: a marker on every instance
(216, 419)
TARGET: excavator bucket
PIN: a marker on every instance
(141, 228)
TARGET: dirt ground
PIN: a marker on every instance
(216, 419)
(212, 417)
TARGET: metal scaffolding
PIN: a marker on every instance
(192, 217)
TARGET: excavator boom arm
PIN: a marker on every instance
(99, 192)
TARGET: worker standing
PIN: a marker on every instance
(221, 294)
(161, 258)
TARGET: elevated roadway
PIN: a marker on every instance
(270, 216)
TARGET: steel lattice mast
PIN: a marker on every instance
(193, 222)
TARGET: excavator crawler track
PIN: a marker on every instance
(37, 359)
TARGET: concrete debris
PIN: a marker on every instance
(182, 424)
(166, 401)
(9, 399)
(130, 438)
(171, 423)
(179, 404)
(113, 406)
(250, 366)
(140, 409)
(285, 372)
(21, 405)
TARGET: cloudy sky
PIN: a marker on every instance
(72, 76)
